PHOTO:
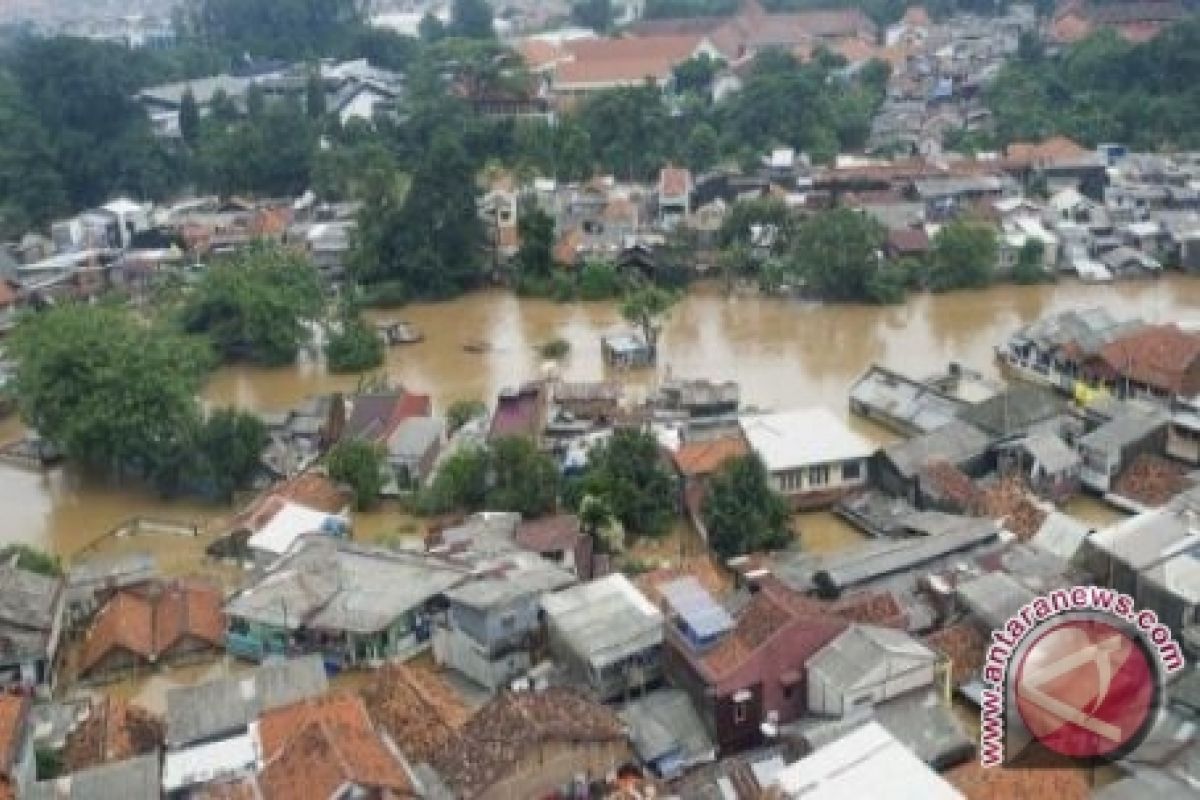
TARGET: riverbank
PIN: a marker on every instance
(784, 353)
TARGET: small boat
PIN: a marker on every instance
(477, 346)
(395, 332)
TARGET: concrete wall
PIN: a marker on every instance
(453, 649)
(827, 696)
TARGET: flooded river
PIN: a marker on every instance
(783, 352)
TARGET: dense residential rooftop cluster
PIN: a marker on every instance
(598, 589)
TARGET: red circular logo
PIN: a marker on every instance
(1085, 688)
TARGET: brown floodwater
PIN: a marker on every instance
(785, 353)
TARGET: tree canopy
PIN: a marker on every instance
(838, 253)
(354, 345)
(360, 465)
(627, 475)
(742, 513)
(255, 305)
(1104, 89)
(963, 256)
(109, 391)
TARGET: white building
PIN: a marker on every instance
(813, 456)
(867, 665)
(861, 764)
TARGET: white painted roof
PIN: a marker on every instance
(288, 524)
(859, 765)
(206, 762)
(793, 439)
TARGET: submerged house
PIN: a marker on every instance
(627, 351)
(153, 624)
(351, 603)
(906, 406)
(813, 457)
(1059, 350)
(1110, 448)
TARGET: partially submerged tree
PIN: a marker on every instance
(646, 307)
(360, 465)
(742, 513)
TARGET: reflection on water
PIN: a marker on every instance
(784, 353)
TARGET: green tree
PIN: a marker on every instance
(471, 19)
(461, 412)
(108, 390)
(1031, 265)
(314, 95)
(431, 239)
(256, 304)
(742, 513)
(354, 346)
(290, 29)
(360, 465)
(535, 258)
(703, 147)
(227, 451)
(838, 253)
(523, 479)
(646, 307)
(696, 74)
(963, 256)
(594, 14)
(461, 482)
(31, 559)
(747, 216)
(31, 186)
(189, 118)
(627, 474)
(431, 29)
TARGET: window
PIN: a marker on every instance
(851, 470)
(739, 713)
(818, 476)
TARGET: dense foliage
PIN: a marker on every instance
(963, 256)
(226, 451)
(109, 391)
(360, 465)
(838, 255)
(1105, 89)
(354, 346)
(461, 412)
(628, 476)
(255, 305)
(742, 513)
(31, 559)
(511, 474)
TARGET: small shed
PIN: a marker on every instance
(627, 350)
(867, 665)
(1046, 461)
(667, 732)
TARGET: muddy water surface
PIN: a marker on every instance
(783, 352)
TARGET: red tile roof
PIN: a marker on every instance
(773, 634)
(605, 62)
(115, 730)
(148, 621)
(312, 748)
(1046, 151)
(977, 782)
(549, 534)
(907, 241)
(706, 457)
(964, 645)
(674, 181)
(1165, 357)
(14, 713)
(417, 708)
(511, 728)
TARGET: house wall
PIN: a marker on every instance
(816, 485)
(455, 649)
(553, 765)
(826, 696)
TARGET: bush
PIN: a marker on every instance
(360, 465)
(554, 349)
(600, 281)
(461, 412)
(356, 347)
